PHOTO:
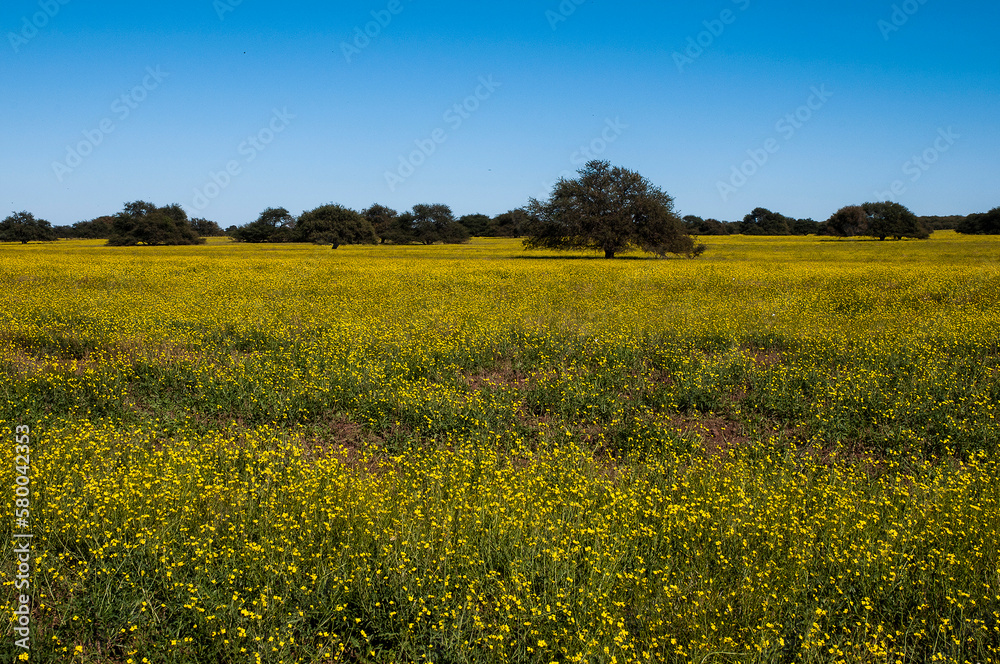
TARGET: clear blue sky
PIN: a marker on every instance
(613, 76)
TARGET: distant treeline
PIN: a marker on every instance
(144, 223)
(327, 224)
(765, 222)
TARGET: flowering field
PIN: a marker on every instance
(784, 451)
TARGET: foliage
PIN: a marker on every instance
(513, 223)
(610, 209)
(848, 221)
(764, 222)
(272, 225)
(428, 224)
(205, 228)
(890, 219)
(877, 220)
(479, 225)
(335, 225)
(385, 223)
(144, 223)
(981, 224)
(698, 226)
(947, 223)
(23, 227)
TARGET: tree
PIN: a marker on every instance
(434, 223)
(890, 219)
(848, 221)
(206, 228)
(272, 225)
(878, 220)
(479, 225)
(335, 225)
(385, 223)
(144, 223)
(806, 227)
(981, 224)
(23, 227)
(698, 226)
(764, 222)
(513, 223)
(609, 209)
(100, 228)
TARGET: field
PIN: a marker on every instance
(784, 451)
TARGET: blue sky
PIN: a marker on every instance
(228, 107)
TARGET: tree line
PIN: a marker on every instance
(609, 209)
(876, 220)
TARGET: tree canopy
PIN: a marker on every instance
(428, 224)
(144, 223)
(23, 227)
(272, 225)
(206, 228)
(877, 220)
(479, 225)
(765, 222)
(610, 209)
(385, 223)
(335, 225)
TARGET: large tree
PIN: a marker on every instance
(848, 221)
(513, 223)
(479, 225)
(611, 209)
(893, 220)
(144, 223)
(765, 222)
(434, 223)
(387, 225)
(877, 220)
(23, 227)
(335, 225)
(272, 225)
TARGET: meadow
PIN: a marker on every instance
(783, 451)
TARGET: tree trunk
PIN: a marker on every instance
(609, 253)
